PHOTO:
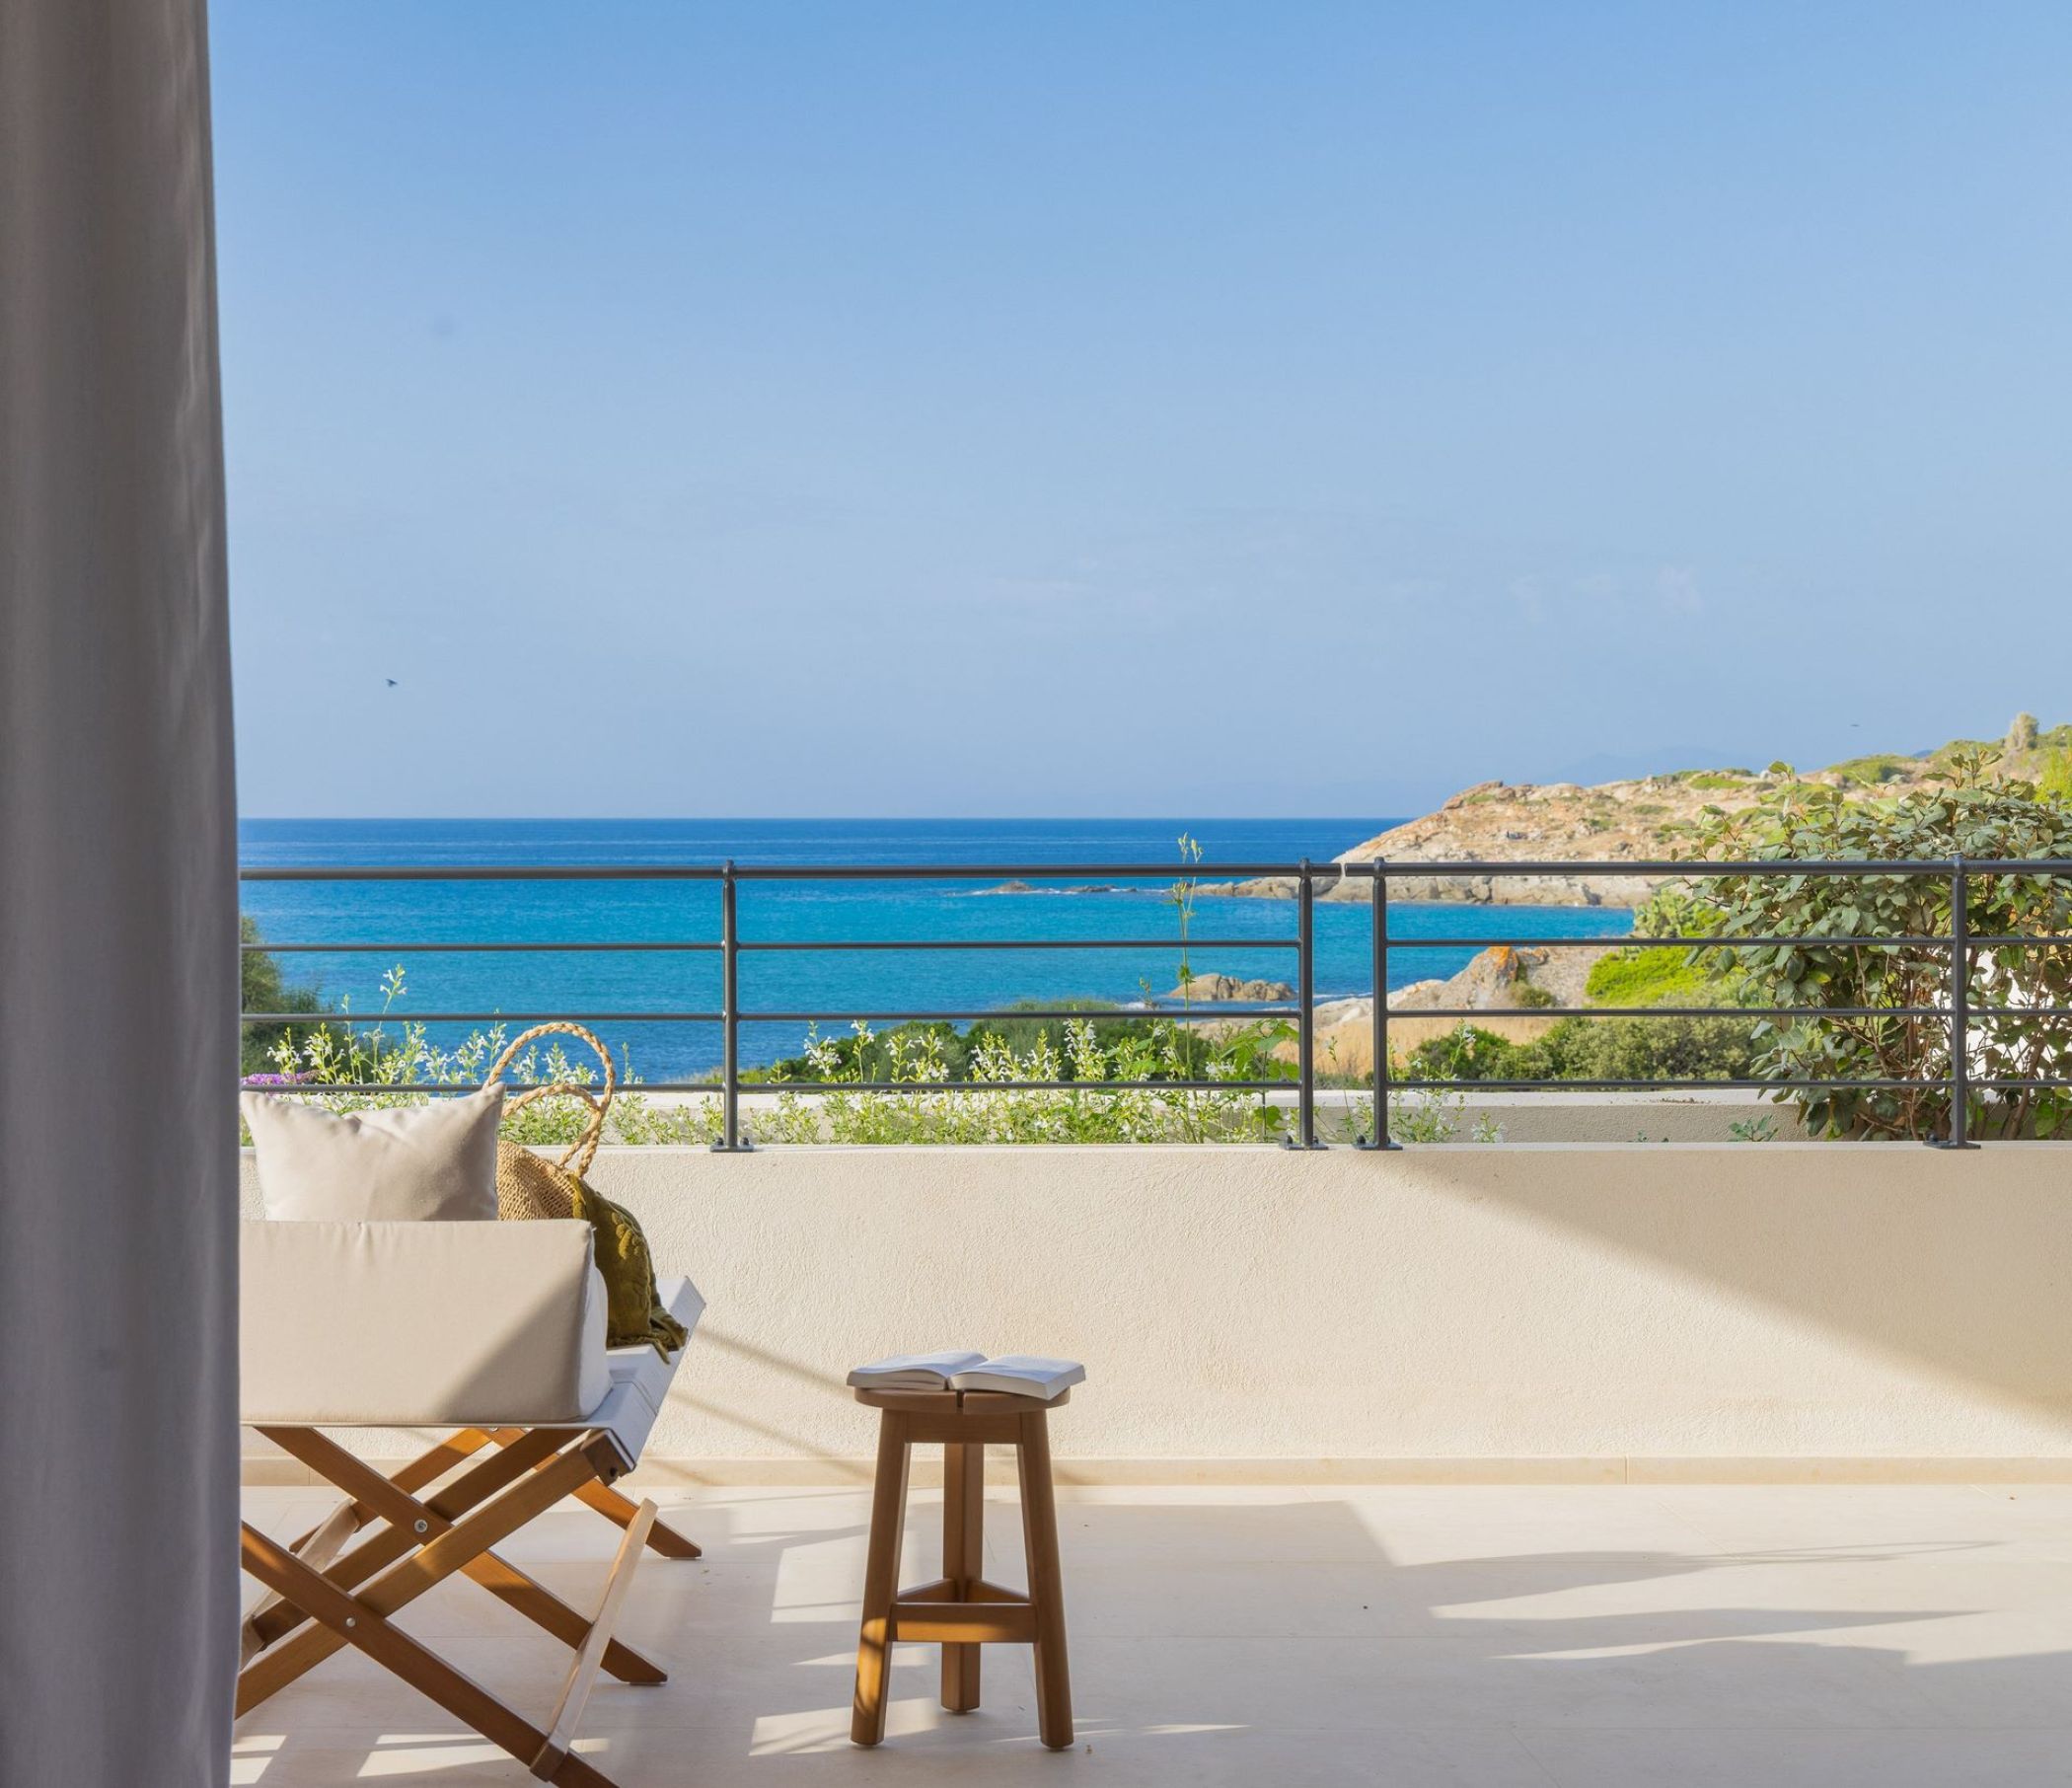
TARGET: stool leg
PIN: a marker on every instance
(1039, 1528)
(963, 1561)
(888, 1519)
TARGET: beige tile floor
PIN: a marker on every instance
(1489, 1637)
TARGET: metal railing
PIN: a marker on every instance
(1957, 1011)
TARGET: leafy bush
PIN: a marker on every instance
(386, 1054)
(1582, 1047)
(1870, 772)
(264, 988)
(970, 1111)
(1643, 1049)
(1190, 1054)
(333, 1062)
(1978, 816)
(1650, 976)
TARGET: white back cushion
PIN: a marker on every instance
(424, 1164)
(431, 1324)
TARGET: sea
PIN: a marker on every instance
(1234, 935)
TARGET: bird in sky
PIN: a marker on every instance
(392, 682)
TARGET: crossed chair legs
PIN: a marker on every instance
(324, 1597)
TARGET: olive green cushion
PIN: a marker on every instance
(530, 1187)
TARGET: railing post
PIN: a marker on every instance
(731, 1142)
(1959, 1007)
(1380, 1020)
(1305, 1001)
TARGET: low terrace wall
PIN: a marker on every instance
(1780, 1310)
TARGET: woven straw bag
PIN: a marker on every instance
(529, 1186)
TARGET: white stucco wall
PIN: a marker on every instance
(1783, 1309)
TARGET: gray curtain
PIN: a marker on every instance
(117, 912)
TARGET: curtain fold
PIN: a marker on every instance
(119, 1585)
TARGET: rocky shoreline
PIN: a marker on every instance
(1479, 890)
(1639, 820)
(1522, 990)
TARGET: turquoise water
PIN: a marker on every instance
(796, 981)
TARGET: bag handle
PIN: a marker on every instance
(584, 1149)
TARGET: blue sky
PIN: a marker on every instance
(1184, 408)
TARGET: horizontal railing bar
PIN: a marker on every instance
(1938, 1012)
(1670, 868)
(772, 1086)
(1399, 1013)
(1167, 872)
(1026, 943)
(1206, 1012)
(1551, 1085)
(2045, 939)
(318, 1090)
(1287, 1086)
(323, 1089)
(480, 872)
(354, 1020)
(1399, 947)
(1699, 869)
(816, 944)
(269, 949)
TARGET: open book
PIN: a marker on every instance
(1019, 1375)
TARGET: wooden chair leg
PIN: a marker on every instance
(888, 1519)
(350, 1620)
(317, 1548)
(420, 1472)
(420, 1523)
(1039, 1526)
(963, 1562)
(613, 1506)
(403, 1583)
(473, 1487)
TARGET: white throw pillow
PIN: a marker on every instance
(433, 1164)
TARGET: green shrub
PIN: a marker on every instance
(1870, 772)
(982, 1106)
(1643, 1049)
(1978, 816)
(1188, 1054)
(262, 988)
(1580, 1048)
(1658, 976)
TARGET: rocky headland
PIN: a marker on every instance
(1638, 820)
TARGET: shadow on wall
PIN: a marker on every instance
(1956, 1263)
(796, 1445)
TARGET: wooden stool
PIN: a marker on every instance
(961, 1610)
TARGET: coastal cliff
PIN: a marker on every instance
(1608, 822)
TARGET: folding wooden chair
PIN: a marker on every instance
(637, 1365)
(495, 1330)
